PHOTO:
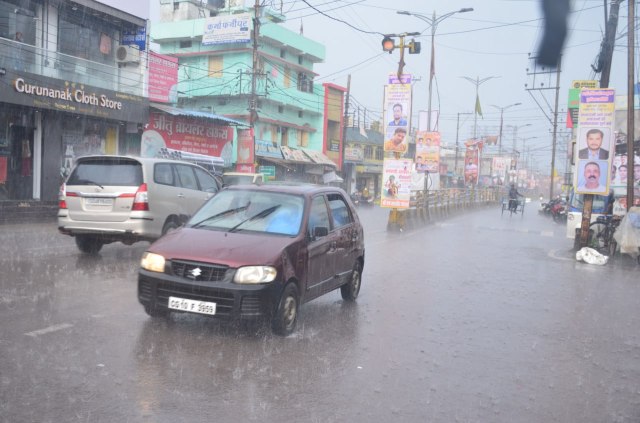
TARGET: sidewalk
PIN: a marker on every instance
(28, 212)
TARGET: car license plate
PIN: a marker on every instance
(99, 201)
(192, 306)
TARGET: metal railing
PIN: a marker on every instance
(435, 205)
(21, 57)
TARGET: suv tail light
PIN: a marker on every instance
(62, 196)
(62, 203)
(141, 200)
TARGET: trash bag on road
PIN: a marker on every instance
(591, 256)
(627, 235)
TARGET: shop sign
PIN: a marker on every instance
(354, 154)
(245, 146)
(163, 78)
(224, 29)
(268, 149)
(49, 93)
(267, 170)
(186, 134)
(137, 38)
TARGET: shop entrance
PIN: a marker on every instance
(16, 165)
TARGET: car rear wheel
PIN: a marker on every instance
(284, 321)
(88, 244)
(351, 289)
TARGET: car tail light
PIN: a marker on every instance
(62, 203)
(62, 196)
(141, 200)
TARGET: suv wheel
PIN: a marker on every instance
(88, 244)
(284, 321)
(351, 289)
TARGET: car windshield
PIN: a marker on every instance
(246, 210)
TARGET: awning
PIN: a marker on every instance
(330, 177)
(319, 158)
(192, 113)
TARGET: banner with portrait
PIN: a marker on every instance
(595, 143)
(396, 188)
(397, 114)
(427, 157)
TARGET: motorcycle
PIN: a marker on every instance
(559, 212)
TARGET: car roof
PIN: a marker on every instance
(286, 187)
(146, 160)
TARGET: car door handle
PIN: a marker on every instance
(180, 195)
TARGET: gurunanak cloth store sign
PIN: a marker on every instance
(54, 94)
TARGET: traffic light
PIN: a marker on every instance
(414, 47)
(388, 44)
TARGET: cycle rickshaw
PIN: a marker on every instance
(519, 208)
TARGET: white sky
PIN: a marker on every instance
(493, 40)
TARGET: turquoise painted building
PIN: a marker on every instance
(216, 76)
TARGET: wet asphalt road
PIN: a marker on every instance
(477, 318)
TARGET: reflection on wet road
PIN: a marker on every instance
(477, 318)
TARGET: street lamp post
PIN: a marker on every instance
(502, 109)
(515, 137)
(477, 82)
(433, 22)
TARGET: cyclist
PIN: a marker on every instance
(513, 198)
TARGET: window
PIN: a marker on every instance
(164, 174)
(185, 44)
(368, 152)
(282, 53)
(305, 84)
(216, 65)
(300, 59)
(339, 211)
(206, 181)
(304, 138)
(284, 136)
(287, 77)
(379, 153)
(280, 109)
(82, 35)
(187, 178)
(300, 114)
(318, 215)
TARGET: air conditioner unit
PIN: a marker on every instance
(127, 54)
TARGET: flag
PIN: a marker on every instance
(478, 108)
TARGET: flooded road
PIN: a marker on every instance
(477, 318)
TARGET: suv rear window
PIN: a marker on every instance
(107, 172)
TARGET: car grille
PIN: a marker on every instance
(224, 300)
(198, 271)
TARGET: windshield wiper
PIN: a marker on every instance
(218, 215)
(260, 215)
(87, 181)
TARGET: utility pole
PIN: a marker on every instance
(345, 123)
(253, 101)
(630, 99)
(455, 166)
(555, 129)
(604, 64)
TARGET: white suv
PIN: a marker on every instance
(119, 198)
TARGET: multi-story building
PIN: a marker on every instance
(216, 46)
(72, 79)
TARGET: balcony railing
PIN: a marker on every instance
(22, 57)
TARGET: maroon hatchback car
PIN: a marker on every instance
(256, 252)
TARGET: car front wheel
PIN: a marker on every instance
(351, 289)
(284, 320)
(88, 244)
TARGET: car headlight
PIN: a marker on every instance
(255, 274)
(152, 262)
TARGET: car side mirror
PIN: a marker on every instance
(320, 231)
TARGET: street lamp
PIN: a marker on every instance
(433, 22)
(502, 109)
(477, 82)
